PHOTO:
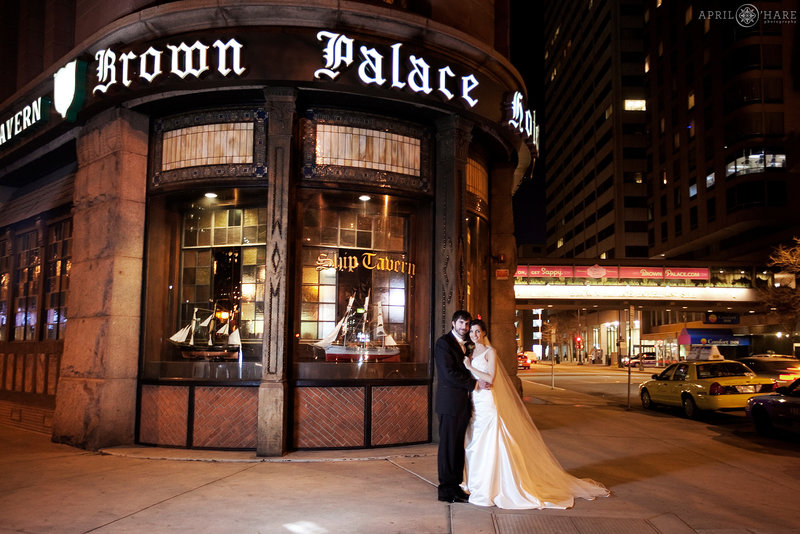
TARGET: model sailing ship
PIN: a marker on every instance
(198, 339)
(358, 342)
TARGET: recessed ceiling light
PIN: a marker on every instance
(364, 198)
(211, 195)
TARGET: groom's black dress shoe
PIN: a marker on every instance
(453, 498)
(462, 494)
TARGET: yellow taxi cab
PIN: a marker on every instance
(697, 385)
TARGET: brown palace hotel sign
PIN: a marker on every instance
(166, 65)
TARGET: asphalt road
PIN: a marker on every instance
(605, 383)
(613, 385)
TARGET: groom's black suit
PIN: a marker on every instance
(454, 407)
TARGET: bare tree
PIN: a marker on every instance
(783, 301)
(786, 258)
(559, 327)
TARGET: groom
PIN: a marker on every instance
(453, 405)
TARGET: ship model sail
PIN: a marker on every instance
(353, 339)
(202, 338)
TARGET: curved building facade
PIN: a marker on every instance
(241, 224)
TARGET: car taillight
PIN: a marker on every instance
(767, 388)
(791, 373)
(718, 389)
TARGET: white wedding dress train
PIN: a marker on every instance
(508, 465)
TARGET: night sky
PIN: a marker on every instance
(527, 55)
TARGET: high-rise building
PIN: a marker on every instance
(594, 123)
(669, 129)
(723, 108)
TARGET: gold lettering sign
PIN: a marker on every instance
(369, 260)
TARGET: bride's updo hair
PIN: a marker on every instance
(480, 324)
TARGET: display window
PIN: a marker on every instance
(356, 297)
(477, 236)
(35, 264)
(205, 292)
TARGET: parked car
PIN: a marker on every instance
(524, 360)
(645, 359)
(780, 410)
(704, 385)
(783, 369)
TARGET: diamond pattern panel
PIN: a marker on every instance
(162, 419)
(225, 417)
(399, 414)
(328, 417)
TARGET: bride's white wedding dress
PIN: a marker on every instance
(508, 464)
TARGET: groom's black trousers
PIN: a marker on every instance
(452, 429)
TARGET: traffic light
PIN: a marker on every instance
(578, 342)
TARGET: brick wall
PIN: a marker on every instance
(328, 417)
(163, 415)
(336, 416)
(399, 415)
(225, 417)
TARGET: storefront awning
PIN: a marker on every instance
(698, 336)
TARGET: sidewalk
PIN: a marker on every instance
(48, 487)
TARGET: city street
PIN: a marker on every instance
(612, 386)
(605, 382)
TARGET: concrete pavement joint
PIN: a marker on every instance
(193, 455)
(412, 472)
(172, 497)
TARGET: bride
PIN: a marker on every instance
(508, 464)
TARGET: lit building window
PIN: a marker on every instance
(26, 302)
(207, 144)
(676, 140)
(206, 286)
(368, 149)
(691, 128)
(560, 242)
(752, 160)
(5, 286)
(609, 111)
(690, 100)
(692, 190)
(635, 105)
(688, 17)
(356, 276)
(710, 181)
(59, 264)
(660, 48)
(647, 64)
(658, 3)
(662, 125)
(477, 179)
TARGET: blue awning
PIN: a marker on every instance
(700, 336)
